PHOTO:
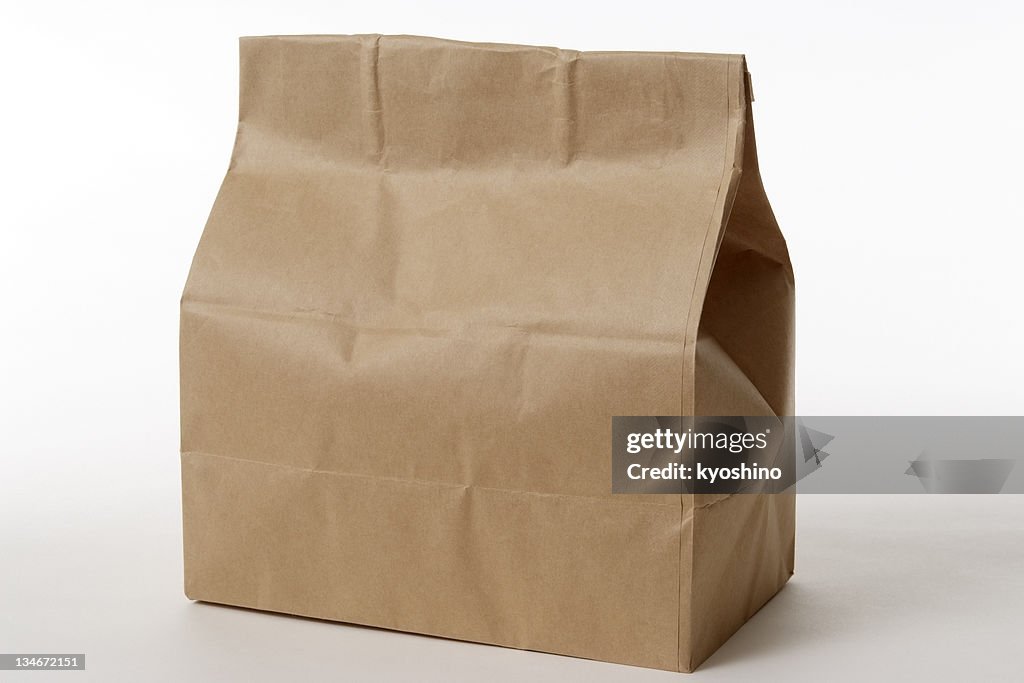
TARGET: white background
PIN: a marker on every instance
(890, 146)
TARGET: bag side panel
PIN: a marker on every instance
(743, 545)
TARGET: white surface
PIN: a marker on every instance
(890, 148)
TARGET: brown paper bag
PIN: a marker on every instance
(433, 274)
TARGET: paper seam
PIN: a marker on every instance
(438, 484)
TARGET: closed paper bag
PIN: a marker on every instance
(434, 272)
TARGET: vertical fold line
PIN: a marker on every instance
(373, 119)
(728, 184)
(387, 236)
(566, 96)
